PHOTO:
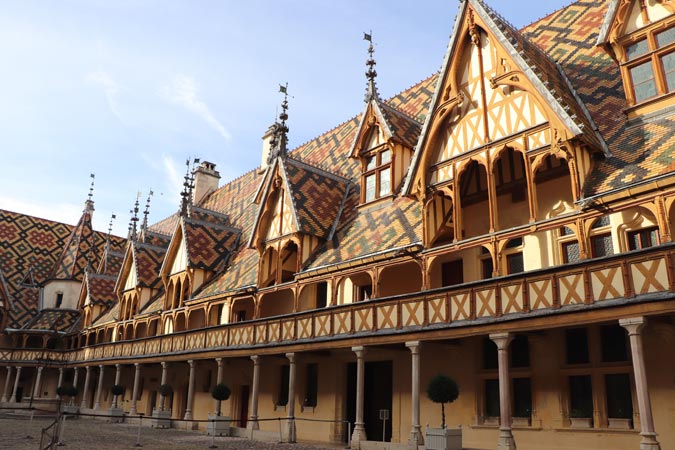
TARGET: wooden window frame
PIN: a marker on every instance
(377, 171)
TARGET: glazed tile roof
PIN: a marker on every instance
(54, 320)
(111, 262)
(101, 289)
(108, 316)
(154, 305)
(148, 259)
(402, 128)
(208, 240)
(5, 297)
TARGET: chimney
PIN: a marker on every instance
(267, 146)
(206, 181)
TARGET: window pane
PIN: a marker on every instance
(566, 231)
(312, 385)
(282, 396)
(571, 252)
(515, 263)
(665, 37)
(619, 401)
(643, 81)
(602, 245)
(487, 268)
(490, 360)
(576, 341)
(520, 352)
(491, 398)
(637, 49)
(522, 397)
(668, 62)
(385, 182)
(614, 348)
(371, 163)
(581, 396)
(601, 222)
(385, 157)
(370, 187)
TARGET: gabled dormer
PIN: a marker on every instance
(506, 131)
(96, 296)
(200, 248)
(640, 36)
(383, 144)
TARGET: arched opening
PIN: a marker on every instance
(289, 262)
(177, 290)
(168, 325)
(355, 288)
(128, 331)
(152, 327)
(404, 278)
(473, 191)
(459, 267)
(553, 185)
(440, 227)
(314, 296)
(196, 319)
(638, 229)
(217, 314)
(141, 330)
(277, 303)
(180, 322)
(34, 342)
(268, 268)
(242, 309)
(108, 335)
(510, 177)
(185, 294)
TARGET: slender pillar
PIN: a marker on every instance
(85, 391)
(634, 327)
(38, 383)
(134, 393)
(253, 419)
(290, 424)
(506, 441)
(16, 386)
(5, 391)
(415, 439)
(99, 388)
(60, 382)
(162, 399)
(76, 374)
(118, 373)
(219, 379)
(191, 391)
(359, 433)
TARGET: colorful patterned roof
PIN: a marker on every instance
(109, 316)
(148, 259)
(5, 298)
(77, 253)
(154, 305)
(111, 262)
(101, 289)
(54, 320)
(208, 240)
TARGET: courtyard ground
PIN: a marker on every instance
(89, 434)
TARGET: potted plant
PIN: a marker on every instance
(116, 413)
(161, 418)
(581, 418)
(219, 425)
(70, 392)
(443, 389)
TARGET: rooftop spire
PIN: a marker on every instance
(89, 203)
(371, 74)
(133, 222)
(188, 186)
(144, 224)
(280, 136)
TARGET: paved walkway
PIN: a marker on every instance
(88, 434)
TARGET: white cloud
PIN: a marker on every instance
(110, 87)
(183, 90)
(68, 213)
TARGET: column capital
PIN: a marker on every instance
(359, 350)
(255, 359)
(191, 363)
(414, 346)
(633, 325)
(165, 364)
(87, 368)
(40, 368)
(118, 366)
(101, 366)
(501, 339)
(137, 366)
(219, 360)
(291, 357)
(60, 369)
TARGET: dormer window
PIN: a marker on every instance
(649, 64)
(377, 174)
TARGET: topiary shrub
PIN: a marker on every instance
(220, 392)
(442, 389)
(66, 390)
(116, 389)
(166, 390)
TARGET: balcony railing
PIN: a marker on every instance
(636, 276)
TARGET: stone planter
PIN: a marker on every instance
(116, 415)
(218, 425)
(581, 422)
(161, 418)
(620, 424)
(443, 438)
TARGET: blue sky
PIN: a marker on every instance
(128, 89)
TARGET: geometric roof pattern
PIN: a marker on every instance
(100, 289)
(54, 321)
(208, 239)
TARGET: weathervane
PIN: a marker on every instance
(188, 186)
(89, 204)
(280, 135)
(371, 74)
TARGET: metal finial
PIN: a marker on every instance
(89, 204)
(146, 212)
(91, 187)
(371, 73)
(133, 223)
(280, 135)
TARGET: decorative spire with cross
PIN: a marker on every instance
(188, 186)
(89, 203)
(144, 224)
(280, 137)
(371, 73)
(107, 243)
(133, 222)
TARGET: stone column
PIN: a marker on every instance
(359, 433)
(118, 373)
(134, 393)
(253, 419)
(38, 383)
(162, 399)
(290, 424)
(16, 386)
(191, 391)
(85, 391)
(634, 327)
(60, 382)
(76, 373)
(506, 441)
(99, 388)
(5, 391)
(219, 379)
(415, 439)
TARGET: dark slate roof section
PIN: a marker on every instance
(404, 129)
(59, 320)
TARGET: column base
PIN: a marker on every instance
(358, 435)
(649, 442)
(253, 423)
(506, 441)
(415, 438)
(290, 431)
